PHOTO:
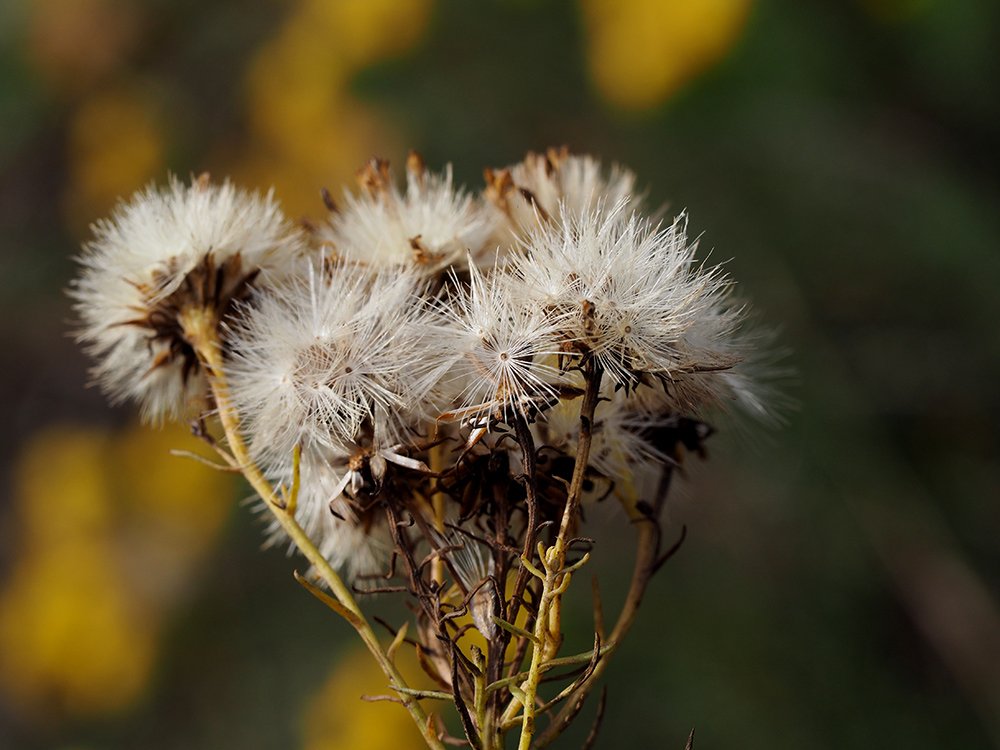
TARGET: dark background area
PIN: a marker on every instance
(838, 586)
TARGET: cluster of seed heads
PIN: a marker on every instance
(392, 346)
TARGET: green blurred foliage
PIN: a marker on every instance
(839, 577)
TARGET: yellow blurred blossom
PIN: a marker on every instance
(326, 153)
(73, 642)
(62, 487)
(337, 718)
(168, 489)
(641, 51)
(307, 129)
(111, 526)
(115, 144)
(372, 30)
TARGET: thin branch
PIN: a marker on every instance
(328, 600)
(595, 728)
(230, 468)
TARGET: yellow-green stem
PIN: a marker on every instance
(591, 395)
(201, 330)
(556, 578)
(553, 585)
(645, 559)
(438, 504)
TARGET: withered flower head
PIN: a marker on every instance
(631, 294)
(543, 187)
(333, 357)
(167, 251)
(623, 446)
(505, 347)
(428, 226)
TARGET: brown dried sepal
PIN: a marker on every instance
(422, 255)
(374, 178)
(552, 160)
(416, 167)
(207, 286)
(499, 184)
(328, 201)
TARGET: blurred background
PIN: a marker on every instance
(839, 583)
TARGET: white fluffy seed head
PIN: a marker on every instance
(166, 248)
(628, 292)
(504, 347)
(555, 187)
(753, 388)
(331, 357)
(428, 226)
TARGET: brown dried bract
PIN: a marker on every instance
(499, 184)
(207, 286)
(423, 256)
(416, 167)
(374, 177)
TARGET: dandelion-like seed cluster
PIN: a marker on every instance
(433, 378)
(167, 248)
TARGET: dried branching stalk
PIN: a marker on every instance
(425, 391)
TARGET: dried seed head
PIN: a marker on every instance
(629, 293)
(352, 540)
(504, 346)
(554, 187)
(168, 250)
(622, 446)
(332, 357)
(428, 226)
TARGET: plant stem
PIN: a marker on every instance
(556, 578)
(200, 327)
(647, 552)
(590, 398)
(546, 638)
(437, 459)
